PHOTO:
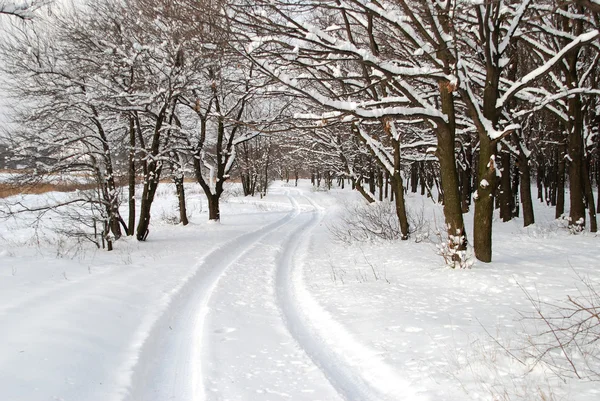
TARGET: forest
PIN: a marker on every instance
(302, 199)
(470, 100)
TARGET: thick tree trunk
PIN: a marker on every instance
(446, 136)
(505, 193)
(148, 193)
(152, 171)
(525, 175)
(414, 177)
(398, 189)
(577, 212)
(540, 179)
(214, 213)
(181, 198)
(449, 184)
(484, 201)
(560, 182)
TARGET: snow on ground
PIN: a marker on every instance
(267, 305)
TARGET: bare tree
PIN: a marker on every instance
(24, 10)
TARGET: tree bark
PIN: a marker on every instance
(398, 189)
(131, 178)
(214, 213)
(181, 198)
(446, 137)
(587, 184)
(466, 173)
(577, 212)
(560, 182)
(505, 193)
(525, 176)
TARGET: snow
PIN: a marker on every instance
(267, 305)
(544, 68)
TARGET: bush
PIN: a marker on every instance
(375, 221)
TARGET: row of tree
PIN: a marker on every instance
(472, 82)
(464, 97)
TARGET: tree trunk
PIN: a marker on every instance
(587, 183)
(380, 184)
(357, 185)
(484, 202)
(466, 174)
(147, 198)
(525, 175)
(577, 212)
(387, 183)
(505, 193)
(214, 213)
(181, 198)
(131, 179)
(540, 178)
(414, 177)
(446, 136)
(516, 180)
(560, 182)
(398, 189)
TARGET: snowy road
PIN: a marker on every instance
(266, 306)
(240, 328)
(219, 314)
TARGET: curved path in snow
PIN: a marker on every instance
(245, 327)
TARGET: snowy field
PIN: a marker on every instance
(269, 305)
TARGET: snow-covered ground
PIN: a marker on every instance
(267, 305)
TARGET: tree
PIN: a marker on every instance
(362, 61)
(24, 10)
(62, 116)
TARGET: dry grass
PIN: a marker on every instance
(7, 190)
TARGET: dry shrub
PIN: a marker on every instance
(375, 221)
(7, 189)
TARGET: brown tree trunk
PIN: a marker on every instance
(398, 189)
(576, 188)
(484, 201)
(387, 183)
(214, 213)
(131, 179)
(380, 184)
(446, 136)
(357, 185)
(525, 175)
(148, 193)
(466, 173)
(587, 183)
(181, 198)
(505, 192)
(516, 180)
(560, 182)
(414, 177)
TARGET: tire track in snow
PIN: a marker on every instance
(247, 351)
(168, 366)
(355, 371)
